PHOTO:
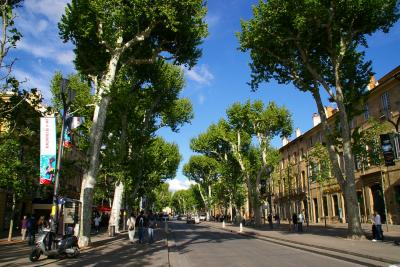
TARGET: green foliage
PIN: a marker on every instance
(19, 142)
(319, 164)
(366, 146)
(100, 28)
(160, 197)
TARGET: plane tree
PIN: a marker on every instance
(109, 35)
(319, 48)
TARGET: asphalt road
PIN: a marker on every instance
(197, 245)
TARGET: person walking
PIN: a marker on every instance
(152, 224)
(24, 223)
(300, 221)
(140, 223)
(31, 228)
(131, 227)
(97, 221)
(270, 221)
(378, 227)
(294, 220)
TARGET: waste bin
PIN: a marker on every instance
(111, 230)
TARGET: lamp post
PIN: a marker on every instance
(67, 95)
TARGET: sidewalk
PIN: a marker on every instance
(331, 238)
(103, 251)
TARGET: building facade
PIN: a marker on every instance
(378, 186)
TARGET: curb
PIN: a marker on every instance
(259, 236)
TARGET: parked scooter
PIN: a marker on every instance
(67, 246)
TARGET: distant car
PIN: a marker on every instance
(203, 216)
(181, 217)
(192, 219)
(174, 218)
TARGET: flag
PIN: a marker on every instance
(48, 150)
(76, 122)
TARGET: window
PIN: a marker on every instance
(385, 104)
(325, 203)
(366, 112)
(301, 154)
(335, 205)
(295, 157)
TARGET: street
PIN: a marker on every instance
(197, 245)
(204, 244)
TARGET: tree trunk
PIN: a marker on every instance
(209, 206)
(10, 231)
(96, 138)
(346, 182)
(116, 206)
(119, 186)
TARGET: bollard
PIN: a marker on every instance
(241, 228)
(223, 224)
(166, 226)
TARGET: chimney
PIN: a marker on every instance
(298, 132)
(285, 141)
(316, 119)
(372, 83)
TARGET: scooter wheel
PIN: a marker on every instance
(76, 252)
(34, 256)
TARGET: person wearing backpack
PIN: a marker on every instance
(131, 227)
(140, 223)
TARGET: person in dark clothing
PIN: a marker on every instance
(31, 229)
(294, 220)
(270, 220)
(141, 224)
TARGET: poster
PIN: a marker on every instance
(48, 150)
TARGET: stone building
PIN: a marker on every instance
(293, 190)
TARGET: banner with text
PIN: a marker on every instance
(48, 150)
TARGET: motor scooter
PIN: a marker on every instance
(66, 246)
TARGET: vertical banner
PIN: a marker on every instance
(48, 150)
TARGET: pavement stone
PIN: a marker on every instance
(103, 251)
(332, 238)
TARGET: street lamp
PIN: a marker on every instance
(67, 95)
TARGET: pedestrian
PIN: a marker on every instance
(31, 228)
(24, 223)
(270, 221)
(140, 223)
(378, 227)
(41, 224)
(151, 225)
(97, 221)
(294, 220)
(300, 221)
(131, 227)
(277, 219)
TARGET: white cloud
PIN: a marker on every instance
(201, 75)
(60, 55)
(41, 82)
(212, 20)
(202, 98)
(179, 184)
(52, 9)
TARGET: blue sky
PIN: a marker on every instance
(218, 80)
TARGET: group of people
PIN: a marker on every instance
(29, 227)
(144, 221)
(298, 220)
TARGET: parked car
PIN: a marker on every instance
(203, 216)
